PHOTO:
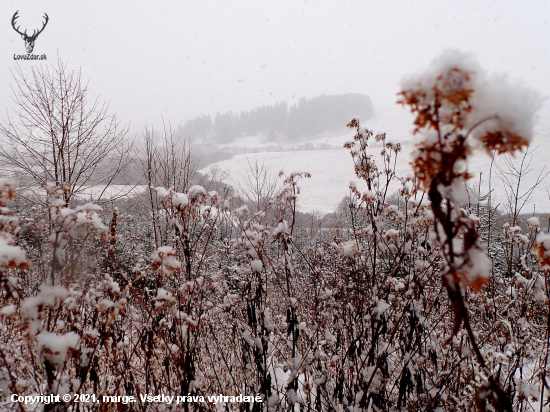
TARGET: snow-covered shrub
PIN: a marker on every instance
(457, 111)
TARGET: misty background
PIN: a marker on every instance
(176, 60)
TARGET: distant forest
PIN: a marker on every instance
(309, 117)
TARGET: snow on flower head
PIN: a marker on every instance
(80, 221)
(449, 72)
(165, 259)
(241, 211)
(7, 191)
(196, 191)
(180, 200)
(161, 192)
(503, 114)
(12, 256)
(542, 250)
(458, 108)
(533, 223)
(257, 265)
(163, 296)
(349, 248)
(478, 270)
(499, 112)
(54, 347)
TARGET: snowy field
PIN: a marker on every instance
(110, 192)
(332, 170)
(94, 193)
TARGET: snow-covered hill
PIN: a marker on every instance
(332, 170)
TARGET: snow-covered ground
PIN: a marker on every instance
(332, 170)
(93, 193)
(110, 192)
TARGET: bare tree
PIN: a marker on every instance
(58, 134)
(165, 162)
(259, 186)
(512, 175)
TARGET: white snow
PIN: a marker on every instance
(382, 306)
(163, 294)
(162, 192)
(165, 258)
(350, 248)
(332, 170)
(11, 255)
(92, 193)
(533, 222)
(195, 191)
(510, 105)
(257, 265)
(55, 346)
(105, 304)
(543, 242)
(112, 191)
(179, 200)
(8, 310)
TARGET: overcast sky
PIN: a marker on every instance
(179, 59)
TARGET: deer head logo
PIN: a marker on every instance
(29, 40)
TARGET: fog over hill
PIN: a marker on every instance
(278, 122)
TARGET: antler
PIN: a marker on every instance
(42, 29)
(35, 33)
(15, 16)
